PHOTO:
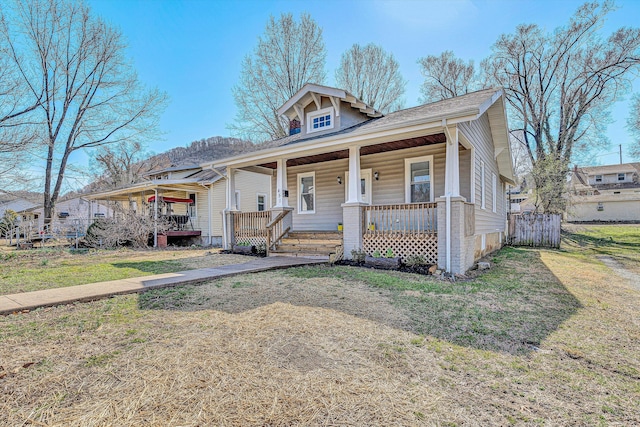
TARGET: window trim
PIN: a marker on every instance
(482, 186)
(322, 112)
(299, 185)
(407, 176)
(258, 195)
(494, 187)
(193, 207)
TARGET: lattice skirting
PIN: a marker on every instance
(403, 245)
(255, 240)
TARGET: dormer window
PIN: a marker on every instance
(320, 120)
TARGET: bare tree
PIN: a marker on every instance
(633, 125)
(288, 55)
(372, 75)
(123, 163)
(559, 87)
(446, 76)
(73, 67)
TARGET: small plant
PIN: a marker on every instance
(44, 262)
(389, 253)
(376, 254)
(414, 260)
(244, 243)
(261, 248)
(358, 255)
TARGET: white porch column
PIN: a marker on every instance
(155, 218)
(282, 197)
(452, 167)
(231, 190)
(355, 195)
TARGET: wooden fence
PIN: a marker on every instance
(539, 230)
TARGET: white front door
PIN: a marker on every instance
(365, 185)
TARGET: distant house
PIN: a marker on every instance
(520, 200)
(427, 181)
(191, 199)
(605, 193)
(18, 205)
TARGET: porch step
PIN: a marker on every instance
(310, 244)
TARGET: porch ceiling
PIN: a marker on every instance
(437, 138)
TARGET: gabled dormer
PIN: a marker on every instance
(316, 109)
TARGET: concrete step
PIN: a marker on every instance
(321, 235)
(306, 248)
(299, 241)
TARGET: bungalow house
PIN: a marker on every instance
(605, 193)
(427, 181)
(190, 200)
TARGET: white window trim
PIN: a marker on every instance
(315, 199)
(494, 188)
(321, 112)
(365, 174)
(258, 195)
(407, 176)
(237, 200)
(473, 176)
(482, 186)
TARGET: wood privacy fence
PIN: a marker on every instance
(539, 230)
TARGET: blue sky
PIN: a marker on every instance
(193, 49)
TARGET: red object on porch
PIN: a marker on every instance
(170, 200)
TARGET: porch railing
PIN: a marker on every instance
(408, 229)
(407, 218)
(251, 227)
(276, 230)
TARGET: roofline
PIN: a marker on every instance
(150, 185)
(433, 122)
(329, 91)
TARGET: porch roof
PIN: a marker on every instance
(185, 184)
(425, 121)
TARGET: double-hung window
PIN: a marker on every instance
(418, 179)
(320, 120)
(621, 177)
(262, 202)
(306, 193)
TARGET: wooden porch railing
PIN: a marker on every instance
(407, 218)
(276, 230)
(405, 230)
(251, 227)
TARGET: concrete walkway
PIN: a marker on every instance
(30, 300)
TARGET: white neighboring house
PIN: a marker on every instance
(17, 205)
(608, 193)
(192, 200)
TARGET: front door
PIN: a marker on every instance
(365, 185)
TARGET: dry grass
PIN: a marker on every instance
(546, 338)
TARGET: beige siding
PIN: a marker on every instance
(219, 204)
(390, 188)
(479, 133)
(586, 209)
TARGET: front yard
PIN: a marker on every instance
(544, 338)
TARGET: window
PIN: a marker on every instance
(494, 191)
(320, 120)
(262, 202)
(482, 185)
(616, 192)
(600, 207)
(598, 178)
(306, 193)
(98, 215)
(237, 200)
(621, 177)
(191, 207)
(418, 182)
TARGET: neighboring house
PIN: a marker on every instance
(191, 200)
(18, 205)
(426, 181)
(605, 193)
(520, 200)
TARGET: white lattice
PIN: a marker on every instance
(403, 245)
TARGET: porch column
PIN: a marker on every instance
(282, 194)
(452, 167)
(155, 218)
(460, 251)
(231, 190)
(354, 194)
(352, 208)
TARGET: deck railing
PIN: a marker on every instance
(408, 229)
(251, 227)
(276, 230)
